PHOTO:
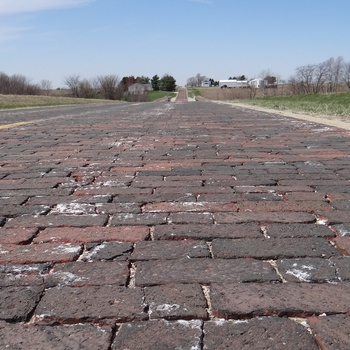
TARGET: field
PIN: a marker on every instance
(326, 104)
(20, 101)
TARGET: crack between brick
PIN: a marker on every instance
(131, 280)
(210, 247)
(274, 265)
(206, 292)
(265, 232)
(151, 233)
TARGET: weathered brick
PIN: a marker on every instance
(207, 232)
(167, 250)
(107, 251)
(57, 220)
(16, 303)
(282, 299)
(73, 337)
(343, 244)
(285, 206)
(81, 274)
(39, 253)
(90, 304)
(261, 248)
(343, 229)
(176, 301)
(159, 334)
(93, 234)
(172, 207)
(331, 332)
(263, 217)
(17, 236)
(308, 270)
(190, 218)
(204, 271)
(256, 334)
(335, 217)
(138, 219)
(342, 265)
(298, 230)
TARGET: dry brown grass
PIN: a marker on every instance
(20, 101)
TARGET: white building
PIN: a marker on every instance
(233, 83)
(258, 83)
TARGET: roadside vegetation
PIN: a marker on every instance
(158, 95)
(21, 101)
(326, 104)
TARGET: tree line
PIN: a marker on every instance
(110, 87)
(104, 86)
(18, 84)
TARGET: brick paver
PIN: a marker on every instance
(173, 225)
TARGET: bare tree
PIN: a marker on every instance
(18, 84)
(72, 81)
(109, 86)
(4, 84)
(192, 81)
(346, 74)
(46, 86)
(335, 71)
(87, 89)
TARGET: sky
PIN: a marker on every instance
(55, 39)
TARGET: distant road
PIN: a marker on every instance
(182, 95)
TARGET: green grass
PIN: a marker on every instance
(156, 95)
(21, 101)
(193, 92)
(326, 104)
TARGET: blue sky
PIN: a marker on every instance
(52, 39)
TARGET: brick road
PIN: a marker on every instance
(173, 226)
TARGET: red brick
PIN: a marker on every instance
(159, 334)
(282, 299)
(82, 337)
(343, 244)
(331, 332)
(39, 253)
(93, 234)
(17, 236)
(66, 305)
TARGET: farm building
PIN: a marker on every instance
(233, 83)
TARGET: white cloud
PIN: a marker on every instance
(17, 6)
